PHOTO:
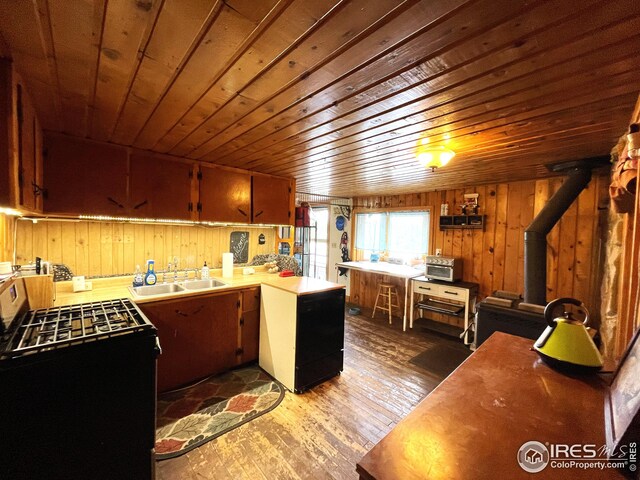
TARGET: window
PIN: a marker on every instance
(402, 234)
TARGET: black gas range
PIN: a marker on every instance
(78, 389)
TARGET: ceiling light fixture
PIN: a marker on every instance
(432, 156)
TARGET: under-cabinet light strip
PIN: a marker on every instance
(163, 221)
(10, 211)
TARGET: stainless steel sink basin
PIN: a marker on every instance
(200, 284)
(159, 289)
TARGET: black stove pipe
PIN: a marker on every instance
(535, 236)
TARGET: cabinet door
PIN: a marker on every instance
(225, 195)
(271, 200)
(198, 336)
(6, 133)
(225, 336)
(20, 144)
(84, 178)
(160, 188)
(29, 150)
(250, 325)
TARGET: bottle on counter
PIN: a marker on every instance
(138, 278)
(204, 273)
(150, 277)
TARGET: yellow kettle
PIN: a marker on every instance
(566, 343)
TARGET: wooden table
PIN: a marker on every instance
(390, 269)
(473, 424)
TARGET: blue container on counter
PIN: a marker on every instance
(374, 257)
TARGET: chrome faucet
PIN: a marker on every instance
(186, 273)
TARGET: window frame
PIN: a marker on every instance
(358, 253)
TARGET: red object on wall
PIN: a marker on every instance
(303, 218)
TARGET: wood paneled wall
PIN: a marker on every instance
(6, 237)
(106, 248)
(494, 257)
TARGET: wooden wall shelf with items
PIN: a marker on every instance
(448, 222)
(20, 145)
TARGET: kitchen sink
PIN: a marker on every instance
(159, 289)
(199, 284)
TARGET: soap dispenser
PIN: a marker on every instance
(204, 273)
(150, 277)
(138, 278)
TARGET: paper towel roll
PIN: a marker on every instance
(227, 265)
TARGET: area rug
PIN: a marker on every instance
(194, 415)
(442, 359)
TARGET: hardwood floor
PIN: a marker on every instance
(322, 433)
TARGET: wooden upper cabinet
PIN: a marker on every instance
(225, 195)
(96, 178)
(159, 188)
(272, 200)
(20, 144)
(29, 152)
(84, 178)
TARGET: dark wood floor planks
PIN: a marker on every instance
(322, 433)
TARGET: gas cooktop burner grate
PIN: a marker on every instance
(41, 330)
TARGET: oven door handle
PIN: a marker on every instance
(158, 348)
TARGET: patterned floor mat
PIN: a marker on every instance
(189, 417)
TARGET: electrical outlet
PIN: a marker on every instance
(438, 252)
(334, 245)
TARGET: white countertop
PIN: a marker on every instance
(117, 287)
(302, 285)
(402, 271)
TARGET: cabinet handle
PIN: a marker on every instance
(242, 212)
(182, 313)
(259, 213)
(140, 205)
(424, 288)
(451, 293)
(38, 190)
(119, 205)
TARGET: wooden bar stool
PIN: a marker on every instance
(385, 291)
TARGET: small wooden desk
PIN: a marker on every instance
(473, 424)
(390, 269)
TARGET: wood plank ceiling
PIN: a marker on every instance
(336, 92)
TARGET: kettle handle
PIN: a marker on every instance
(548, 310)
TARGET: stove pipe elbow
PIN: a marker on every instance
(535, 236)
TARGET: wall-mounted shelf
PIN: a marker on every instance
(461, 221)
